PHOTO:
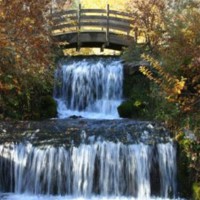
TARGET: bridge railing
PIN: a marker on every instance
(81, 20)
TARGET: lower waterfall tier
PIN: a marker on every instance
(86, 159)
(102, 168)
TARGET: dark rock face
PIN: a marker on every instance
(70, 131)
(133, 67)
(47, 107)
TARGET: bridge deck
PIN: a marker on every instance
(93, 39)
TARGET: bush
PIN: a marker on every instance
(47, 107)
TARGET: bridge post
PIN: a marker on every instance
(107, 29)
(107, 25)
(78, 28)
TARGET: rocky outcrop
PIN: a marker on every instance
(69, 131)
(133, 67)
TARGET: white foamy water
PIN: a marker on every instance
(91, 88)
(108, 169)
(48, 197)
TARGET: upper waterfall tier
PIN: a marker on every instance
(89, 87)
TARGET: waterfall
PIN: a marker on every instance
(90, 88)
(87, 159)
(101, 168)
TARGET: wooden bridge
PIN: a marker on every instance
(103, 28)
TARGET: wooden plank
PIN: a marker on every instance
(93, 11)
(124, 14)
(91, 18)
(74, 18)
(94, 39)
(64, 20)
(105, 19)
(86, 20)
(112, 25)
(71, 37)
(119, 19)
(61, 26)
(89, 11)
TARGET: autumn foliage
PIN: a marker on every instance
(172, 33)
(178, 69)
(25, 31)
(25, 52)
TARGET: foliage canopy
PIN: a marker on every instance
(172, 29)
(25, 54)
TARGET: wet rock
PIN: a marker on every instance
(75, 117)
(150, 126)
(57, 132)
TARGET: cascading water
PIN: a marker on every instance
(90, 88)
(88, 159)
(105, 169)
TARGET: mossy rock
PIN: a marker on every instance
(48, 107)
(196, 191)
(125, 110)
(131, 109)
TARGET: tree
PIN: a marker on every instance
(147, 16)
(25, 53)
(173, 54)
(179, 63)
(171, 29)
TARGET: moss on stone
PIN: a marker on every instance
(196, 191)
(131, 109)
(125, 110)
